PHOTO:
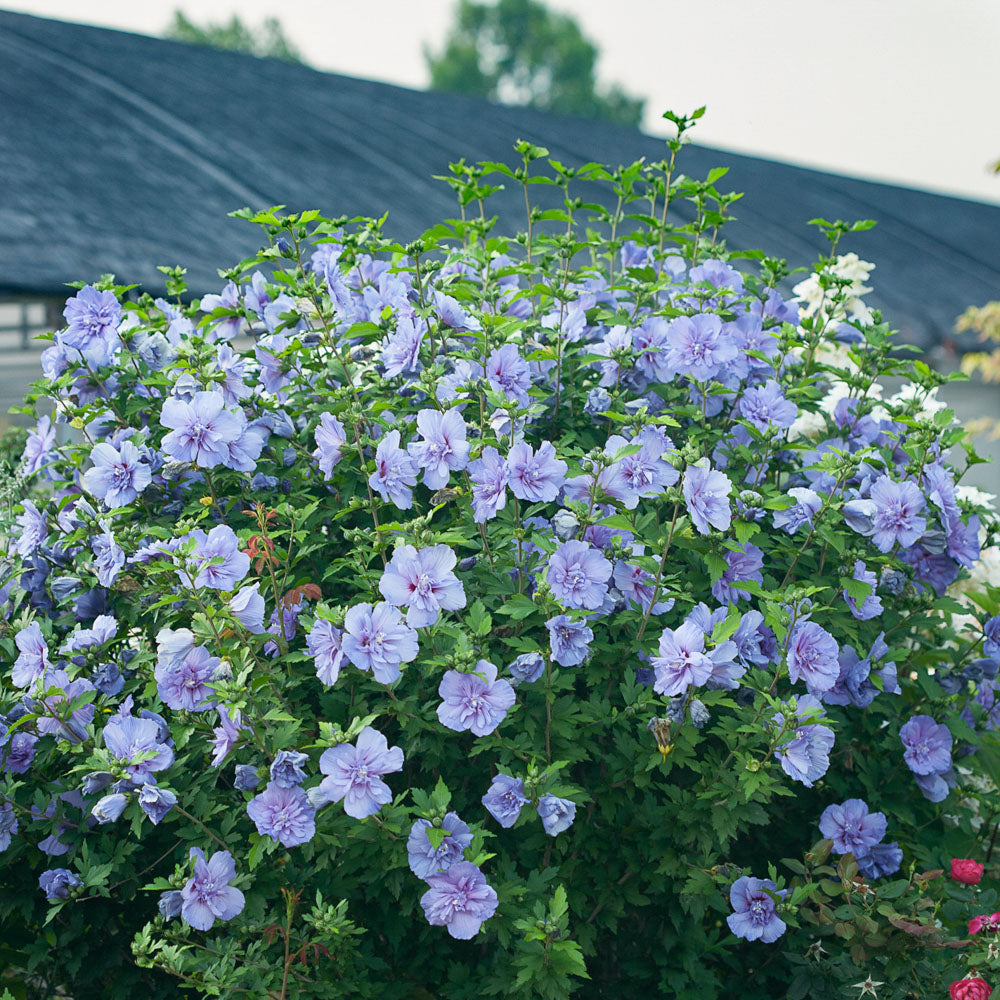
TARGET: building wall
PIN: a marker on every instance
(22, 318)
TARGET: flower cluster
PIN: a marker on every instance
(625, 557)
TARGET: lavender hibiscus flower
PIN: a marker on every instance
(805, 752)
(331, 440)
(423, 581)
(443, 448)
(325, 642)
(852, 828)
(556, 814)
(706, 493)
(535, 476)
(505, 799)
(508, 372)
(33, 656)
(755, 912)
(155, 802)
(200, 431)
(92, 319)
(459, 899)
(806, 506)
(489, 475)
(699, 346)
(426, 859)
(813, 656)
(354, 774)
(185, 681)
(870, 606)
(395, 472)
(569, 641)
(284, 814)
(928, 745)
(207, 896)
(128, 738)
(897, 514)
(682, 661)
(765, 406)
(578, 575)
(376, 639)
(474, 702)
(217, 561)
(33, 529)
(118, 475)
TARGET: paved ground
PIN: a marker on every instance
(968, 399)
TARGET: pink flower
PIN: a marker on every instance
(970, 989)
(966, 871)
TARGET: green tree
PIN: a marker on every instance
(519, 52)
(268, 39)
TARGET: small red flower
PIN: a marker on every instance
(970, 989)
(976, 924)
(966, 870)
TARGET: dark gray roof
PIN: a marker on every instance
(119, 152)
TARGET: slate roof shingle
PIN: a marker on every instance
(119, 152)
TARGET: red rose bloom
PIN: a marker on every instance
(966, 870)
(969, 989)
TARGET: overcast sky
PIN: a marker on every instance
(898, 90)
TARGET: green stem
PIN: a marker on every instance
(659, 575)
(198, 822)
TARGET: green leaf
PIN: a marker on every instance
(558, 905)
(441, 797)
(716, 566)
(518, 607)
(436, 835)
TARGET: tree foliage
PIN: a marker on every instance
(268, 39)
(520, 52)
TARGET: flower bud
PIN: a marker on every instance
(565, 524)
(598, 401)
(170, 904)
(109, 808)
(246, 778)
(699, 714)
(96, 782)
(527, 668)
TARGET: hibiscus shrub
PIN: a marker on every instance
(562, 612)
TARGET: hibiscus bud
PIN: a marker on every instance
(598, 401)
(528, 667)
(96, 782)
(170, 904)
(860, 515)
(565, 523)
(246, 778)
(699, 714)
(109, 808)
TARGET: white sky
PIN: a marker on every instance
(899, 90)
